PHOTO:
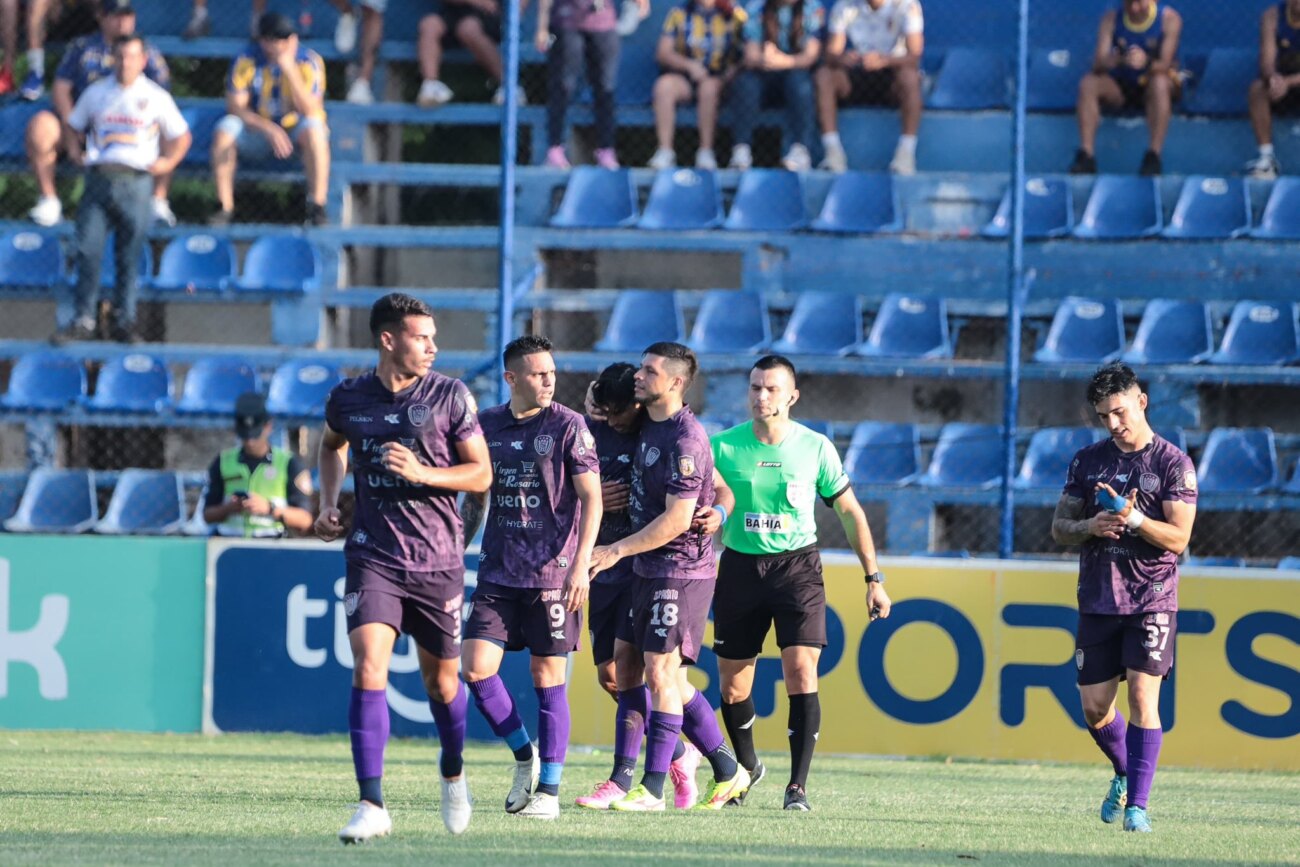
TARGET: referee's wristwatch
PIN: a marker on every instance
(876, 578)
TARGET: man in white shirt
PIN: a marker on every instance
(873, 57)
(126, 130)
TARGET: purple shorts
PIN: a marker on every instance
(424, 605)
(669, 614)
(515, 618)
(611, 603)
(1111, 644)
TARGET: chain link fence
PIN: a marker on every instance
(1153, 136)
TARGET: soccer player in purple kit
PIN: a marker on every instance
(544, 511)
(415, 442)
(673, 565)
(1129, 503)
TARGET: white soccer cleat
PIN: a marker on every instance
(48, 211)
(457, 805)
(542, 806)
(360, 93)
(525, 781)
(433, 93)
(366, 823)
(345, 33)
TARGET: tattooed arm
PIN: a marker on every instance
(1069, 527)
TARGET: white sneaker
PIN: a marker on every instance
(162, 212)
(48, 211)
(797, 159)
(345, 33)
(629, 18)
(433, 93)
(741, 157)
(366, 823)
(664, 158)
(457, 806)
(1264, 167)
(706, 160)
(360, 93)
(525, 781)
(904, 162)
(836, 160)
(542, 806)
(499, 97)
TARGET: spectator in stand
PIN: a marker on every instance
(255, 490)
(782, 43)
(85, 61)
(275, 97)
(700, 53)
(9, 44)
(873, 57)
(1135, 67)
(1277, 90)
(475, 24)
(571, 32)
(345, 31)
(66, 21)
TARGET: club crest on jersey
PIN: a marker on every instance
(418, 413)
(651, 456)
(543, 444)
(686, 466)
(1148, 483)
(471, 405)
(588, 441)
(1189, 480)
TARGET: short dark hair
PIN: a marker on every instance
(1111, 379)
(772, 362)
(388, 312)
(529, 344)
(613, 390)
(676, 352)
(125, 39)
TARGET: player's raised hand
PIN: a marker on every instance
(329, 524)
(589, 405)
(401, 462)
(614, 496)
(577, 585)
(878, 603)
(602, 557)
(1106, 524)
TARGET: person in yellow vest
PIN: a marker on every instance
(254, 490)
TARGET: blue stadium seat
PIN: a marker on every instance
(1259, 332)
(12, 483)
(45, 381)
(299, 388)
(14, 118)
(1222, 87)
(1120, 207)
(1281, 218)
(768, 200)
(971, 79)
(1292, 563)
(818, 425)
(1210, 209)
(213, 384)
(1238, 461)
(822, 323)
(144, 502)
(1175, 435)
(959, 554)
(1293, 484)
(202, 120)
(30, 259)
(1054, 78)
(860, 203)
(1084, 330)
(908, 326)
(730, 321)
(281, 263)
(1049, 210)
(108, 265)
(683, 199)
(135, 382)
(881, 453)
(597, 198)
(196, 263)
(641, 317)
(966, 456)
(56, 501)
(1050, 451)
(1172, 332)
(1216, 562)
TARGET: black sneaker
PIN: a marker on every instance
(221, 219)
(1150, 164)
(758, 772)
(74, 331)
(1084, 163)
(796, 798)
(125, 333)
(316, 215)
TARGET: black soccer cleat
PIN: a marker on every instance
(757, 773)
(796, 799)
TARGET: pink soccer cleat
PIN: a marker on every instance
(682, 773)
(605, 794)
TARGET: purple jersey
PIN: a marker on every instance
(404, 526)
(533, 508)
(590, 16)
(1129, 575)
(616, 451)
(673, 459)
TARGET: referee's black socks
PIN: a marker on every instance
(739, 719)
(805, 723)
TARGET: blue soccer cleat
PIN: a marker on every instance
(1135, 819)
(1113, 807)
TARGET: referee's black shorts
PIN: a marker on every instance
(755, 590)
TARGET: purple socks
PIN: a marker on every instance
(1110, 738)
(450, 722)
(665, 731)
(701, 728)
(552, 735)
(1143, 751)
(630, 722)
(368, 726)
(494, 702)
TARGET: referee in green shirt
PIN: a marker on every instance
(771, 569)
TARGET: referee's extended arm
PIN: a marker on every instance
(858, 531)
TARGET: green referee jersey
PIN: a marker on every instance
(776, 487)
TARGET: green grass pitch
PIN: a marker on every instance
(69, 797)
